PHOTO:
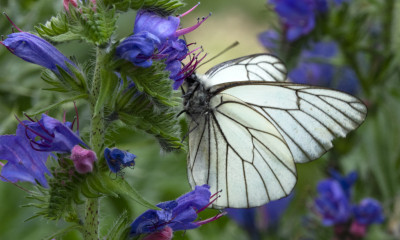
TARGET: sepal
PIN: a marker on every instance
(73, 82)
(164, 7)
(57, 29)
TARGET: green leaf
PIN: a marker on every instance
(55, 28)
(119, 230)
(55, 105)
(64, 231)
(120, 186)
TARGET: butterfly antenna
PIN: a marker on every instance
(219, 54)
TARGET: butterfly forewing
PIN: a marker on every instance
(308, 117)
(257, 67)
(248, 160)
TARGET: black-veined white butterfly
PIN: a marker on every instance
(249, 126)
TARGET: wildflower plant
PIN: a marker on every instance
(127, 82)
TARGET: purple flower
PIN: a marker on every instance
(245, 217)
(156, 38)
(34, 49)
(28, 150)
(332, 203)
(298, 17)
(165, 28)
(118, 159)
(269, 39)
(138, 49)
(179, 214)
(346, 182)
(273, 210)
(162, 27)
(369, 211)
(50, 135)
(315, 68)
(23, 162)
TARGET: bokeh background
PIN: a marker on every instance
(373, 151)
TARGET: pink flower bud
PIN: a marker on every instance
(83, 159)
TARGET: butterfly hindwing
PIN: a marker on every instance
(308, 117)
(248, 160)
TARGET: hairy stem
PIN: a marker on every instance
(96, 141)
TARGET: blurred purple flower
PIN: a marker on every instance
(269, 39)
(298, 17)
(315, 68)
(369, 211)
(332, 203)
(179, 214)
(273, 210)
(34, 49)
(270, 215)
(246, 218)
(346, 182)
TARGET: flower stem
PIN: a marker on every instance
(91, 226)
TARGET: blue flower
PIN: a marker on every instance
(162, 27)
(268, 214)
(28, 150)
(346, 182)
(179, 214)
(138, 49)
(23, 162)
(332, 203)
(34, 49)
(315, 68)
(50, 135)
(118, 159)
(369, 211)
(245, 217)
(156, 38)
(273, 210)
(298, 17)
(269, 39)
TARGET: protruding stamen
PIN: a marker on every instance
(188, 11)
(30, 129)
(12, 23)
(18, 186)
(77, 118)
(211, 219)
(189, 29)
(211, 202)
(27, 116)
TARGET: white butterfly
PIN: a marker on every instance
(248, 128)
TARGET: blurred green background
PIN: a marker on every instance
(161, 176)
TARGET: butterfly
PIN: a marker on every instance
(249, 126)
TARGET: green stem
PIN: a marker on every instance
(96, 141)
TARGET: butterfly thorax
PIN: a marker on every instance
(197, 98)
